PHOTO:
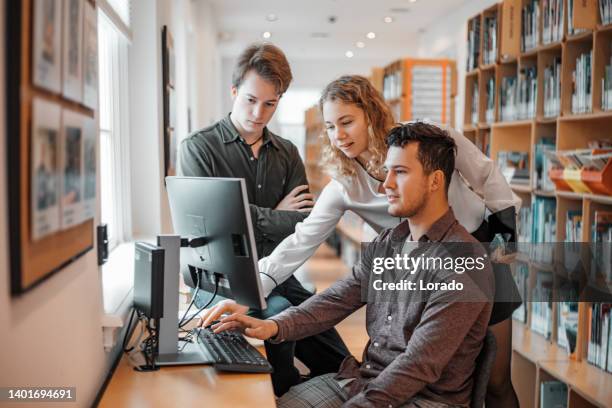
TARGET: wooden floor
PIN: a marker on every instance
(323, 269)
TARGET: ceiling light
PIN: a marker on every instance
(360, 44)
(271, 17)
(371, 35)
(266, 35)
(349, 54)
(388, 19)
(413, 1)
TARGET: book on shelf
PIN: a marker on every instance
(473, 43)
(490, 107)
(601, 232)
(541, 307)
(592, 158)
(567, 327)
(573, 226)
(530, 14)
(514, 166)
(490, 40)
(605, 11)
(552, 21)
(527, 92)
(521, 278)
(543, 228)
(474, 113)
(524, 225)
(606, 84)
(581, 81)
(392, 85)
(553, 394)
(599, 353)
(571, 30)
(552, 88)
(543, 164)
(507, 95)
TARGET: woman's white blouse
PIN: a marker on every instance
(473, 169)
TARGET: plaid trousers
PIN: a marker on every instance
(325, 392)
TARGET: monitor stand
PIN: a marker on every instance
(173, 352)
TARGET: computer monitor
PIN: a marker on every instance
(215, 214)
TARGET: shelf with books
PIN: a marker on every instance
(487, 112)
(491, 23)
(576, 76)
(471, 108)
(506, 89)
(530, 25)
(602, 72)
(527, 86)
(582, 378)
(421, 88)
(562, 214)
(549, 84)
(474, 33)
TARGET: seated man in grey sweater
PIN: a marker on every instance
(426, 325)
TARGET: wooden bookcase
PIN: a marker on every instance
(535, 358)
(398, 89)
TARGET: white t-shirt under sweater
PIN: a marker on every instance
(360, 194)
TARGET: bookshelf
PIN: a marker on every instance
(558, 55)
(421, 89)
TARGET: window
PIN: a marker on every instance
(114, 128)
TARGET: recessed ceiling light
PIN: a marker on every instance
(319, 35)
(388, 19)
(266, 35)
(371, 35)
(349, 54)
(413, 1)
(271, 17)
(360, 44)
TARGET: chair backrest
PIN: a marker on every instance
(482, 371)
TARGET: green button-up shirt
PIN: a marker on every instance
(220, 151)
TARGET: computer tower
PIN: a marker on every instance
(149, 280)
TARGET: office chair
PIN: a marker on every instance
(482, 371)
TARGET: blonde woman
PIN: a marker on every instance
(357, 121)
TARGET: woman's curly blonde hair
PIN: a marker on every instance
(357, 90)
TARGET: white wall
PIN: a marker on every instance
(52, 335)
(447, 38)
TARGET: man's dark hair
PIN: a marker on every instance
(436, 149)
(268, 61)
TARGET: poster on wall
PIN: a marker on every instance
(71, 169)
(73, 50)
(47, 44)
(90, 57)
(44, 199)
(89, 168)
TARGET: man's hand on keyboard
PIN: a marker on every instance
(252, 327)
(225, 307)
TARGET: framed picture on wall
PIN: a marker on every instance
(89, 168)
(45, 186)
(73, 50)
(71, 169)
(90, 57)
(47, 44)
(168, 85)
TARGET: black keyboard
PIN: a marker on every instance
(232, 352)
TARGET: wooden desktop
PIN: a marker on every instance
(187, 386)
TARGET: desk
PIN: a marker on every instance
(187, 386)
